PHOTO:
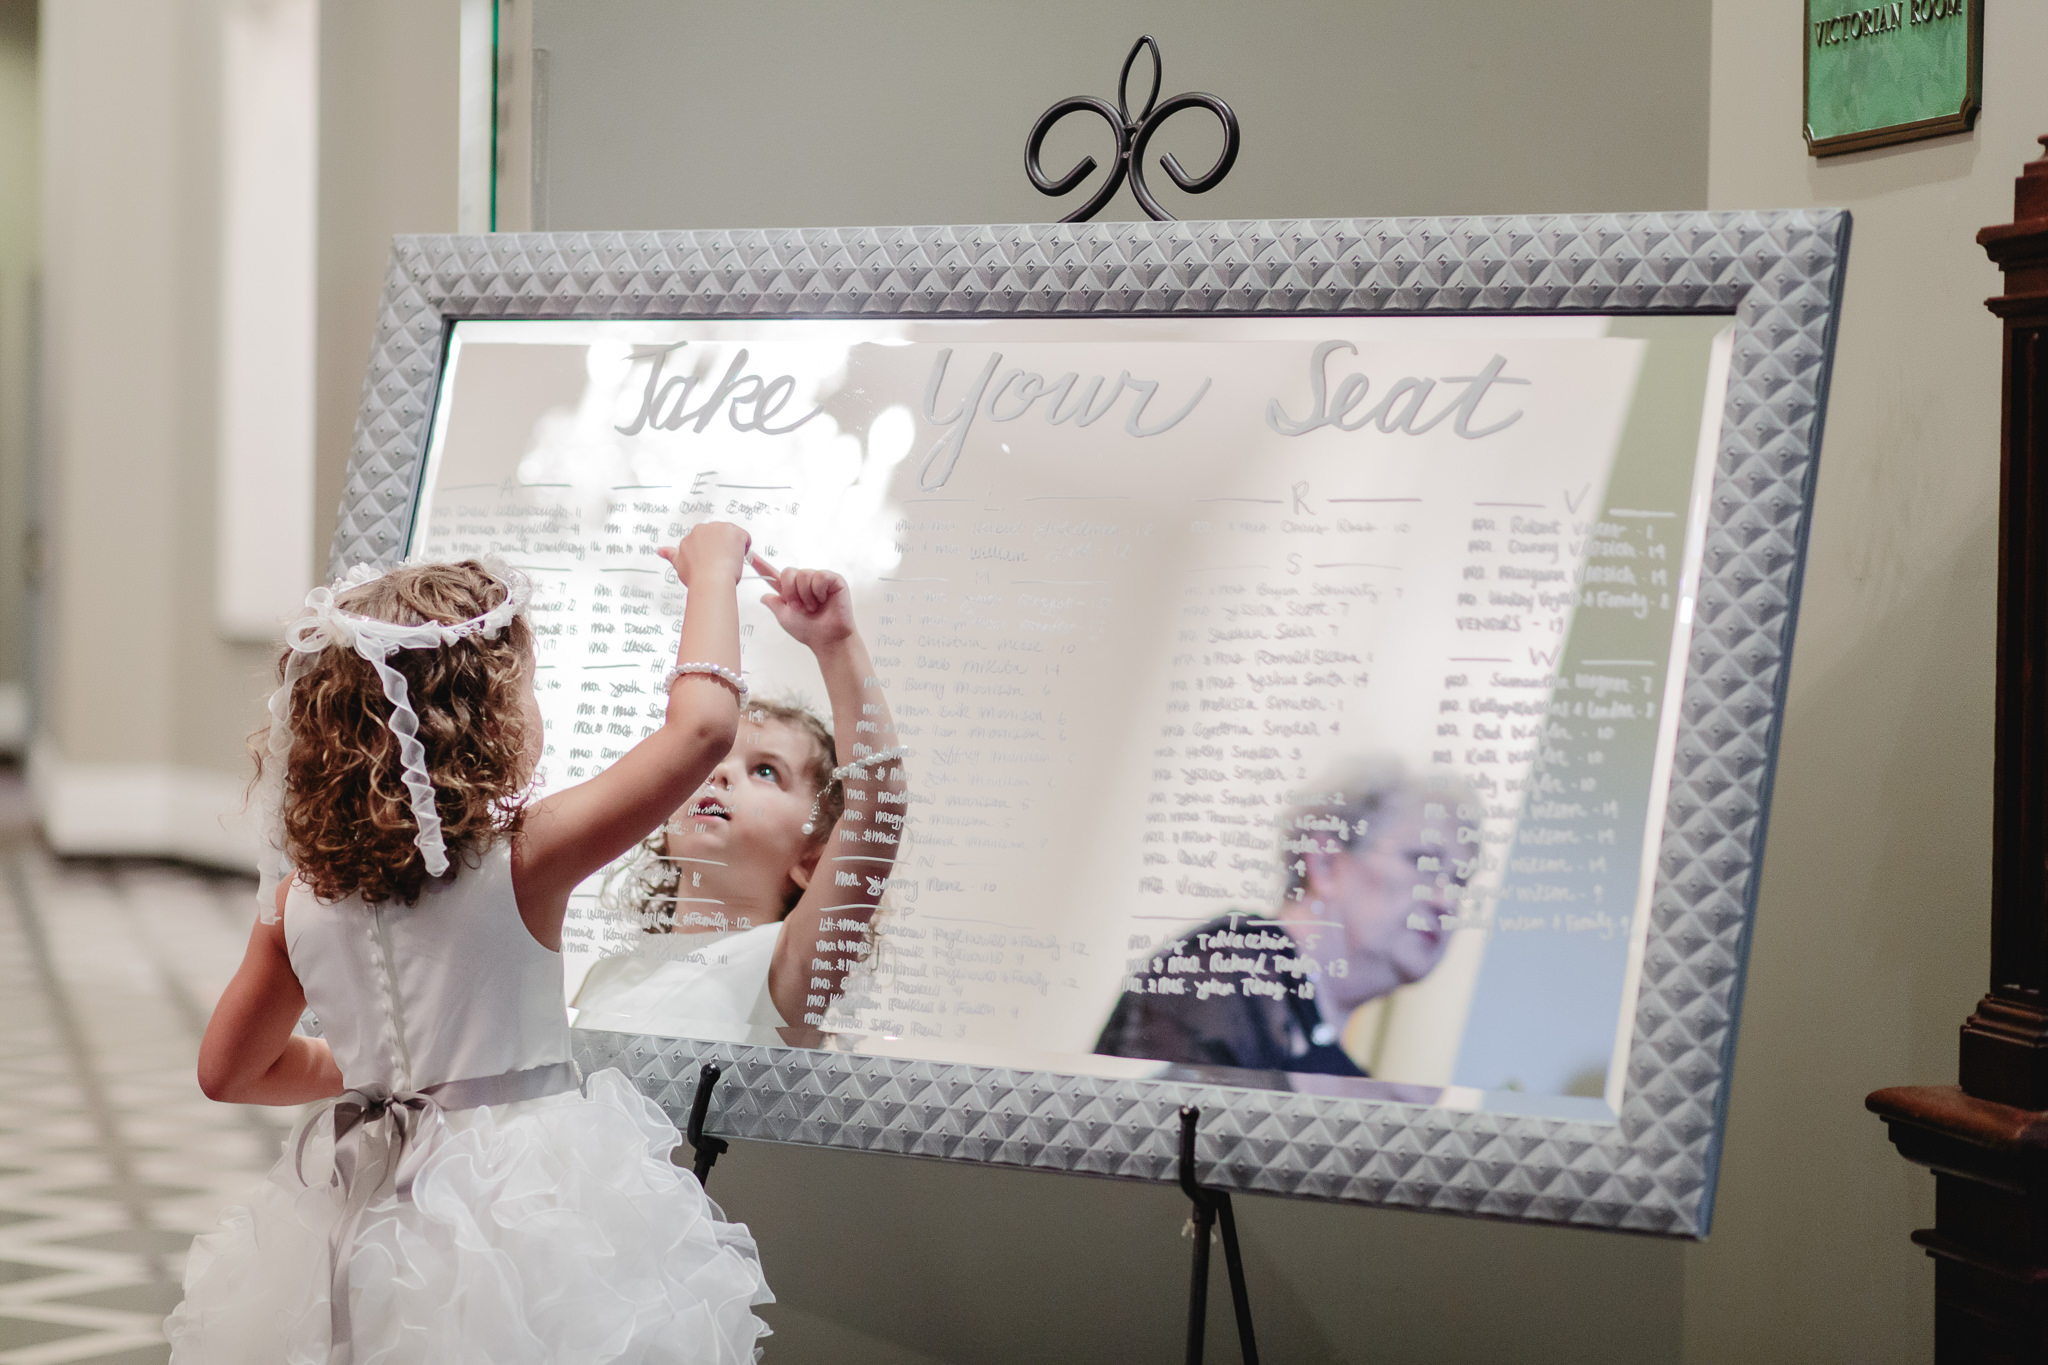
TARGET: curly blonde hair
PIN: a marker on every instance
(348, 821)
(642, 886)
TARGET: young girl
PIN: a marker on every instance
(467, 1202)
(762, 886)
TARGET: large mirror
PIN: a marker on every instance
(1281, 702)
(1296, 706)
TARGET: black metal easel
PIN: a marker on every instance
(1212, 1213)
(707, 1148)
(1212, 1208)
(1133, 134)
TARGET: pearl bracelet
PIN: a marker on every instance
(859, 765)
(718, 671)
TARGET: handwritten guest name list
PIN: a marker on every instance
(1131, 594)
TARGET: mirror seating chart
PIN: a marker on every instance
(1326, 672)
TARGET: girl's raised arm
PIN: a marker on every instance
(815, 607)
(575, 832)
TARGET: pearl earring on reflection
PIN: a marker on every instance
(811, 821)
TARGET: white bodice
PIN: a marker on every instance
(451, 988)
(703, 984)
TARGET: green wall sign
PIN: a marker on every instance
(1892, 72)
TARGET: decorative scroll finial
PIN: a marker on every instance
(1133, 136)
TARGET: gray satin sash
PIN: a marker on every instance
(381, 1138)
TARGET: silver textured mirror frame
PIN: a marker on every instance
(1779, 274)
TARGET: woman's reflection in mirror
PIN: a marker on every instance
(1373, 871)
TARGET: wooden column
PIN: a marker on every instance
(1987, 1139)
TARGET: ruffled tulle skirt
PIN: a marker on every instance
(549, 1231)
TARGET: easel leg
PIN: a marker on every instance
(1198, 1287)
(1240, 1298)
(1210, 1206)
(707, 1148)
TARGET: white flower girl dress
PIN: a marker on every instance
(478, 1206)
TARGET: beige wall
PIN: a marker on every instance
(1872, 937)
(127, 322)
(387, 165)
(810, 112)
(144, 705)
(141, 704)
(17, 367)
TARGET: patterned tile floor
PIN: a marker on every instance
(110, 1158)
